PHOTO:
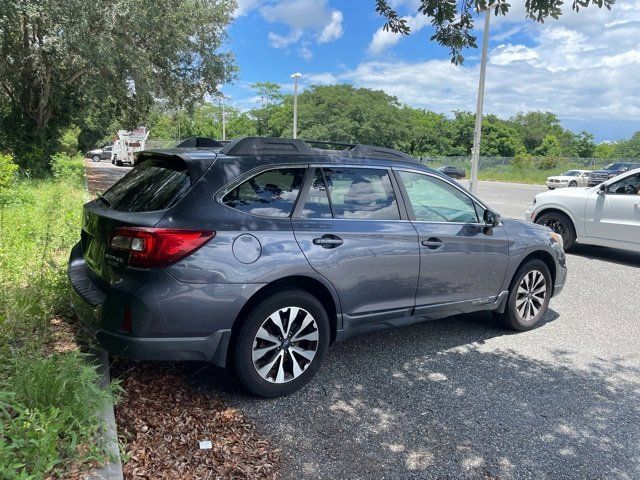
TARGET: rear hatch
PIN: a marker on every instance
(140, 199)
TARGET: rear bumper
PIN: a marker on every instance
(101, 316)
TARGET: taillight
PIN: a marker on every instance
(158, 247)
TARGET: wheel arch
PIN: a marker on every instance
(311, 285)
(545, 257)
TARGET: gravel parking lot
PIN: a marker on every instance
(462, 398)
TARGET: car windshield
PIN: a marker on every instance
(614, 166)
(571, 173)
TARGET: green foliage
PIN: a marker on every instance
(63, 60)
(522, 161)
(453, 22)
(550, 146)
(630, 148)
(69, 140)
(49, 405)
(68, 168)
(8, 171)
(54, 408)
(605, 150)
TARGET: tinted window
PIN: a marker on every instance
(151, 185)
(272, 193)
(317, 203)
(571, 173)
(360, 193)
(628, 186)
(434, 200)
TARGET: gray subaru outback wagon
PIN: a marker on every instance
(262, 253)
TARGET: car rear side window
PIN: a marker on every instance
(353, 193)
(272, 193)
(154, 184)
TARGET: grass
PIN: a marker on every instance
(49, 400)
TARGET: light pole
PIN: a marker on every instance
(477, 131)
(224, 123)
(295, 77)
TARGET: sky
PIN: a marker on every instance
(584, 67)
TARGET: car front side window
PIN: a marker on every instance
(434, 200)
(627, 186)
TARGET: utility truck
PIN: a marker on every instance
(128, 143)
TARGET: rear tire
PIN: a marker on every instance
(267, 358)
(561, 224)
(573, 183)
(95, 158)
(529, 296)
(118, 162)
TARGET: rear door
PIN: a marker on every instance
(141, 198)
(351, 229)
(459, 261)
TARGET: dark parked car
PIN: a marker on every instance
(612, 170)
(98, 154)
(261, 254)
(453, 172)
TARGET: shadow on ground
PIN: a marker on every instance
(614, 255)
(432, 401)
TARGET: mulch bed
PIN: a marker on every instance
(161, 421)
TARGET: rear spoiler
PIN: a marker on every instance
(196, 161)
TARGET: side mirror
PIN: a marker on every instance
(491, 220)
(602, 189)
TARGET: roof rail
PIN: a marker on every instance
(250, 146)
(266, 146)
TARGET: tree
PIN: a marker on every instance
(550, 147)
(605, 150)
(585, 146)
(343, 113)
(629, 148)
(453, 21)
(60, 59)
(499, 139)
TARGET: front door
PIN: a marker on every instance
(459, 262)
(615, 214)
(350, 229)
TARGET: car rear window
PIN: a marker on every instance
(154, 184)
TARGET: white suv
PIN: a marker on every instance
(607, 214)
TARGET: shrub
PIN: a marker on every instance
(522, 161)
(68, 168)
(8, 171)
(69, 141)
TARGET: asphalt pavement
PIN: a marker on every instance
(462, 398)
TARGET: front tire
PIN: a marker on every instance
(95, 158)
(573, 183)
(529, 296)
(282, 344)
(561, 224)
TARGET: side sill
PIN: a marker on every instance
(424, 313)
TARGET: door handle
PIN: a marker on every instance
(433, 243)
(328, 241)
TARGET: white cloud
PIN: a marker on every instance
(584, 66)
(383, 39)
(282, 41)
(306, 53)
(245, 6)
(333, 30)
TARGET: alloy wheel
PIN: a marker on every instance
(285, 345)
(530, 295)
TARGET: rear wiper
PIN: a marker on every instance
(104, 200)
